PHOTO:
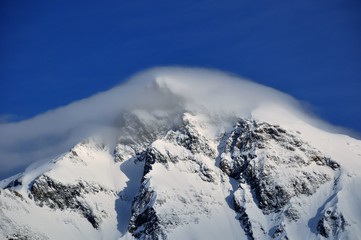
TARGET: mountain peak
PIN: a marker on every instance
(180, 154)
(188, 175)
(163, 90)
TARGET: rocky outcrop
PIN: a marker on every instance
(258, 172)
(238, 201)
(257, 153)
(191, 139)
(55, 195)
(332, 224)
(144, 223)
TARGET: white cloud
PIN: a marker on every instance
(55, 131)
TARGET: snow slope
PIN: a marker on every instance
(194, 168)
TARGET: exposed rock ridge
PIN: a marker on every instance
(271, 166)
(48, 192)
(256, 154)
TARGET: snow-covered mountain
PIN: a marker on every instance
(194, 167)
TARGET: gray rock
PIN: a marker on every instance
(332, 224)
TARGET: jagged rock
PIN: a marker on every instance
(150, 156)
(16, 182)
(280, 232)
(46, 191)
(144, 223)
(292, 214)
(190, 138)
(332, 224)
(25, 236)
(254, 153)
(183, 177)
(243, 216)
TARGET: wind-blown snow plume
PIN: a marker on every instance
(188, 89)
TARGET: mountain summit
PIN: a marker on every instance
(182, 154)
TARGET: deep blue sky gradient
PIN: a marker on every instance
(55, 52)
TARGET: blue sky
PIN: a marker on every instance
(56, 52)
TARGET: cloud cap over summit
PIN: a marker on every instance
(190, 89)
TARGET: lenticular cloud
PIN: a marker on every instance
(186, 89)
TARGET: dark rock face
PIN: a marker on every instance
(144, 223)
(150, 156)
(14, 183)
(280, 232)
(292, 214)
(253, 153)
(243, 218)
(17, 237)
(256, 154)
(47, 192)
(332, 224)
(25, 236)
(188, 137)
(257, 151)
